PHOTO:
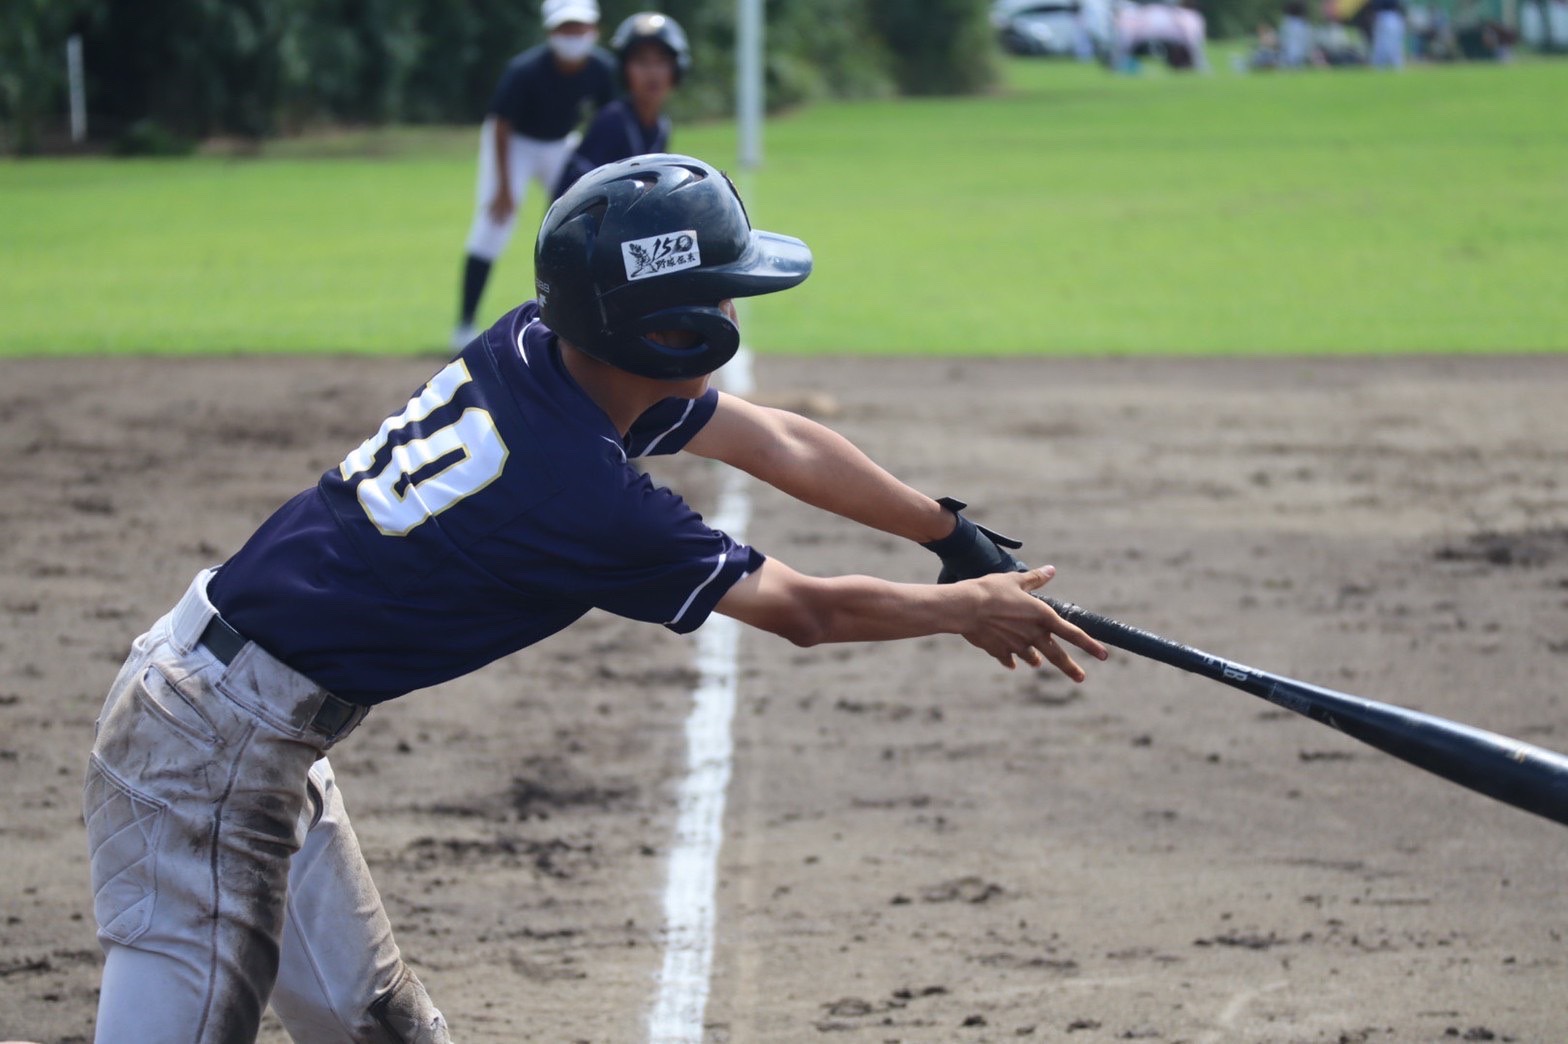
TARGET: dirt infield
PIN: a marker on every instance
(920, 846)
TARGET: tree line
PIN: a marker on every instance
(161, 74)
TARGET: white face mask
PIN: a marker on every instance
(573, 48)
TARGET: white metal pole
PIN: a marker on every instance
(748, 82)
(73, 72)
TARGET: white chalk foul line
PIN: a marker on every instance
(691, 893)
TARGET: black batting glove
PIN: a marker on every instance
(971, 550)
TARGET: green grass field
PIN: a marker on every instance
(1074, 212)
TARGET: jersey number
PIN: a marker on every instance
(425, 476)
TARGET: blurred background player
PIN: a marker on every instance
(529, 133)
(1388, 34)
(653, 54)
(1295, 36)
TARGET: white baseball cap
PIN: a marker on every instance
(559, 12)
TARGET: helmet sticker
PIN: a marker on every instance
(661, 255)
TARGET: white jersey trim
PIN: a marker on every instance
(661, 436)
(618, 447)
(723, 556)
(522, 353)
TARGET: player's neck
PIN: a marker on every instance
(622, 396)
(647, 110)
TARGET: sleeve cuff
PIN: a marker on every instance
(739, 562)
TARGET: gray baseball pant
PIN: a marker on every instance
(225, 872)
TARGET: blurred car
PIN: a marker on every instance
(1038, 27)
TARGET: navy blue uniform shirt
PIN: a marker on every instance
(615, 134)
(541, 102)
(494, 510)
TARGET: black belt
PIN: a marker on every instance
(221, 640)
(225, 643)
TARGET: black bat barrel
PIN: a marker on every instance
(1520, 774)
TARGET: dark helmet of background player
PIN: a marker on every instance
(655, 27)
(654, 244)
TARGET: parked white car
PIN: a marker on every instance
(1052, 28)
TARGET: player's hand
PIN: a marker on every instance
(502, 206)
(1011, 623)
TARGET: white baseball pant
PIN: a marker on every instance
(527, 159)
(225, 872)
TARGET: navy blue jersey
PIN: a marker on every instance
(491, 512)
(615, 134)
(541, 102)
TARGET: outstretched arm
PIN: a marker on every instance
(815, 464)
(995, 613)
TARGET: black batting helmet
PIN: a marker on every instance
(660, 28)
(655, 243)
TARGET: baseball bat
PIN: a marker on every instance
(1516, 773)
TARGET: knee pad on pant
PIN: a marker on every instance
(406, 1015)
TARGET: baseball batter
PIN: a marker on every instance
(529, 133)
(493, 509)
(653, 55)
